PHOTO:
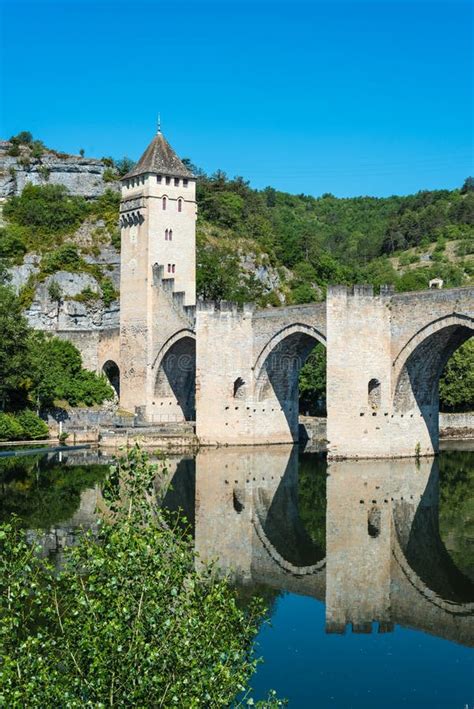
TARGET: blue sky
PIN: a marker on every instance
(348, 97)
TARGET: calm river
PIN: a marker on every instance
(367, 567)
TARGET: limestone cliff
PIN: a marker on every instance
(80, 175)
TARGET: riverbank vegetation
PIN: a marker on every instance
(35, 370)
(91, 635)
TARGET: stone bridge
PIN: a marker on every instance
(385, 354)
(379, 558)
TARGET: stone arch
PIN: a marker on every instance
(112, 372)
(175, 367)
(278, 366)
(275, 342)
(420, 363)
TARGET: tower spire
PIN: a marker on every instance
(159, 123)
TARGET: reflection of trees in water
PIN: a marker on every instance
(42, 491)
(456, 507)
(312, 497)
(300, 541)
(179, 498)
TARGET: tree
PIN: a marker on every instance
(95, 636)
(14, 369)
(312, 382)
(124, 165)
(468, 185)
(46, 207)
(456, 386)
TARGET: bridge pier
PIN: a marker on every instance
(385, 356)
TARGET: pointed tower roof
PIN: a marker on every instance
(159, 158)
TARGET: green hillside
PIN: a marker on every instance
(267, 247)
(401, 240)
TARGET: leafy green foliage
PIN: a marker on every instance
(10, 428)
(57, 373)
(26, 426)
(312, 383)
(46, 208)
(33, 427)
(13, 347)
(456, 386)
(91, 635)
(39, 368)
(64, 258)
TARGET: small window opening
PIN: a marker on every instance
(166, 234)
(173, 266)
(176, 181)
(374, 393)
(170, 235)
(185, 183)
(180, 205)
(168, 180)
(163, 202)
(238, 384)
(374, 522)
(169, 268)
(158, 178)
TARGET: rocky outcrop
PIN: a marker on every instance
(81, 176)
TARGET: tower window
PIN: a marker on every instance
(180, 205)
(169, 268)
(168, 180)
(158, 178)
(166, 234)
(163, 202)
(185, 183)
(172, 267)
(170, 235)
(176, 181)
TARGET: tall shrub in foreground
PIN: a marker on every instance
(129, 621)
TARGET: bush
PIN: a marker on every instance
(95, 636)
(33, 427)
(65, 258)
(12, 241)
(48, 208)
(56, 373)
(24, 137)
(14, 150)
(10, 428)
(109, 294)
(109, 175)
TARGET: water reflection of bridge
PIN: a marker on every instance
(376, 558)
(384, 562)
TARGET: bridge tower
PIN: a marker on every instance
(157, 277)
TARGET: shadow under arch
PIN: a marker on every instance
(112, 372)
(278, 366)
(175, 367)
(419, 365)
